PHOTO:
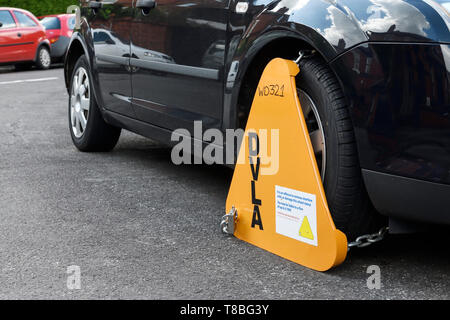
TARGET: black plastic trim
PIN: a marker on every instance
(407, 198)
(15, 44)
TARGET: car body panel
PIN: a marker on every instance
(59, 48)
(400, 105)
(107, 34)
(400, 20)
(191, 36)
(9, 41)
(20, 44)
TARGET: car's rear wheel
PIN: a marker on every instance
(334, 144)
(44, 59)
(88, 129)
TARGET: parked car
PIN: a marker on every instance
(59, 29)
(374, 86)
(23, 41)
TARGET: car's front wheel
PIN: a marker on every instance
(333, 139)
(87, 127)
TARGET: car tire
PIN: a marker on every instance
(347, 198)
(88, 129)
(43, 59)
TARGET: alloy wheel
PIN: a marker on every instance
(315, 129)
(44, 57)
(80, 102)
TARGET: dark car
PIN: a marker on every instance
(374, 86)
(22, 39)
(59, 29)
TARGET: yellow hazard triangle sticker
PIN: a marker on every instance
(305, 229)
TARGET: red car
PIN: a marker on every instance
(22, 39)
(59, 29)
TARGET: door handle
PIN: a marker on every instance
(146, 5)
(95, 4)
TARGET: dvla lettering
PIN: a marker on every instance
(192, 310)
(253, 151)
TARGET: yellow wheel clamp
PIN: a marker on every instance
(276, 199)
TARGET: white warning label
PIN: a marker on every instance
(296, 215)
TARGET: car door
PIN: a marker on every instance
(27, 31)
(110, 25)
(9, 40)
(178, 52)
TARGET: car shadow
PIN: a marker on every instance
(427, 251)
(7, 69)
(425, 245)
(12, 69)
(155, 155)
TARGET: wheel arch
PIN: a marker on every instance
(75, 50)
(331, 31)
(44, 43)
(282, 43)
(286, 47)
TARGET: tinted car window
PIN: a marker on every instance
(6, 19)
(24, 20)
(71, 23)
(103, 37)
(51, 23)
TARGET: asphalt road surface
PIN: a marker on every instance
(138, 226)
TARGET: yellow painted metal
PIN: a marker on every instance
(276, 186)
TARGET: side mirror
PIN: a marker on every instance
(1, 24)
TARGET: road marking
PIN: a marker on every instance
(28, 80)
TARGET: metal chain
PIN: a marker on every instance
(228, 223)
(368, 239)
